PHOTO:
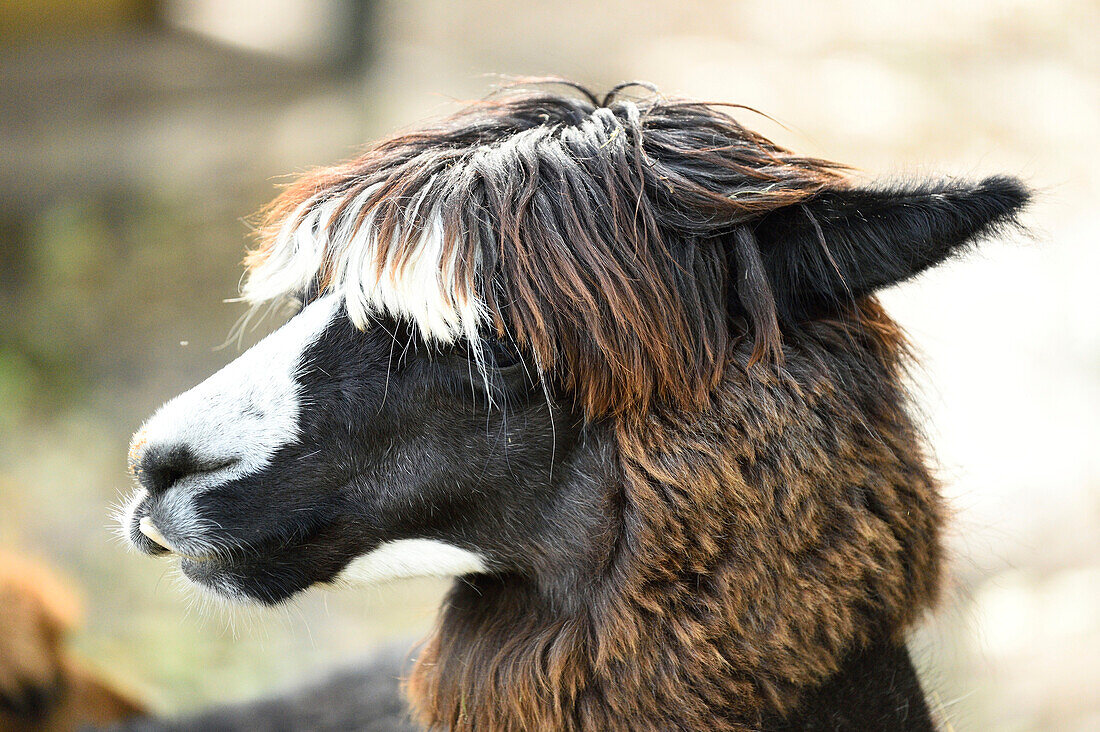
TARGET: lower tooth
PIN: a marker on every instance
(152, 533)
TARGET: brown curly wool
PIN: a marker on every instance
(761, 539)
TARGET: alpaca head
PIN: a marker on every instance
(509, 319)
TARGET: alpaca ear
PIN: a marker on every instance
(845, 243)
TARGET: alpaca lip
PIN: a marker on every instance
(153, 534)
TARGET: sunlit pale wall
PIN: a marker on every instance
(130, 215)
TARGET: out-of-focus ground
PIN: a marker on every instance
(131, 151)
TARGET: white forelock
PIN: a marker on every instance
(421, 288)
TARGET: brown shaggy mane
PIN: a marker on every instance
(581, 228)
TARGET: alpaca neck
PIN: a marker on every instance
(503, 657)
(748, 554)
(499, 660)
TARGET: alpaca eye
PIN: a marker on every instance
(504, 352)
(497, 353)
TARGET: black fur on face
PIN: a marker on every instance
(400, 439)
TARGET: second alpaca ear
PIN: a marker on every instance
(845, 243)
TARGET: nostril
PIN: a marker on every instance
(160, 467)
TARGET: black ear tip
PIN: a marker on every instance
(1007, 195)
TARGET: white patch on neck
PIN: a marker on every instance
(410, 558)
(422, 288)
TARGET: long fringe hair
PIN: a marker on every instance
(581, 228)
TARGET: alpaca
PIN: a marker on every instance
(615, 364)
(43, 687)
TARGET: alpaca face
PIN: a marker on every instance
(385, 431)
(325, 454)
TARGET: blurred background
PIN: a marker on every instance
(137, 137)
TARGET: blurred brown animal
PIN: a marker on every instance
(43, 687)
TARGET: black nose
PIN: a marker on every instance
(161, 466)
